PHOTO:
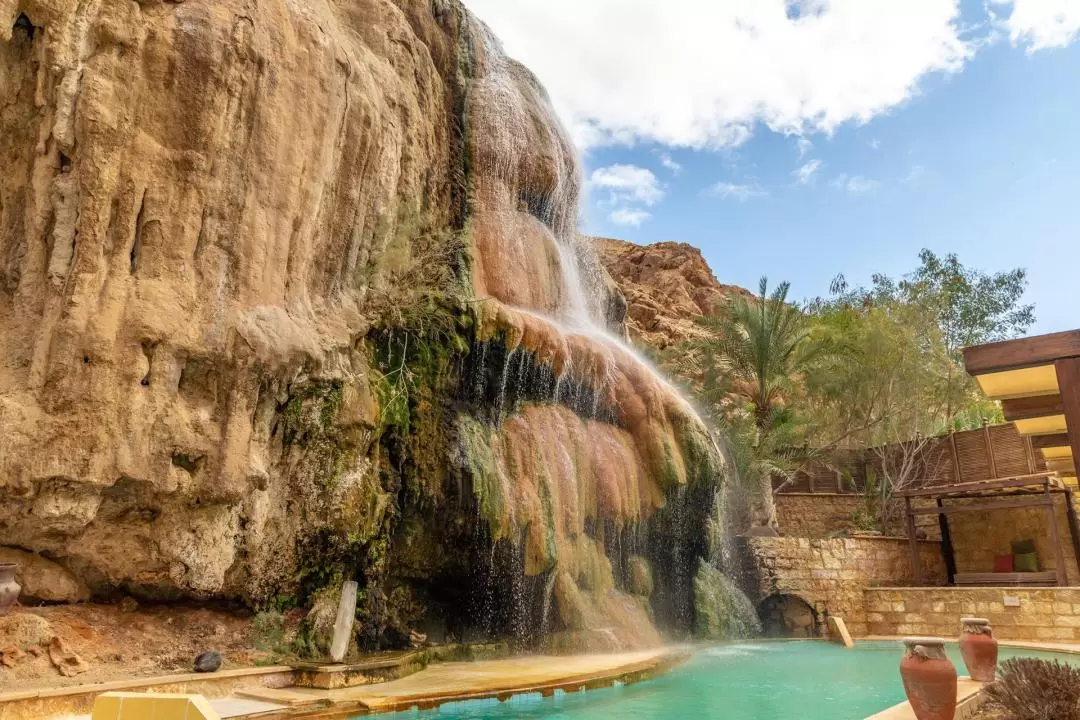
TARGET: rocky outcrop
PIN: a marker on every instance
(255, 263)
(194, 202)
(43, 580)
(667, 286)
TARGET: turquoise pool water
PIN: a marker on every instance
(748, 681)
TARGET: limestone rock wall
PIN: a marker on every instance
(816, 515)
(194, 196)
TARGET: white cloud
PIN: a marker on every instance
(693, 73)
(914, 176)
(1042, 24)
(856, 184)
(733, 191)
(628, 184)
(670, 163)
(804, 146)
(875, 144)
(628, 216)
(804, 174)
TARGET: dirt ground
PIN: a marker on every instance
(123, 641)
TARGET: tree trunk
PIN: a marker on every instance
(762, 507)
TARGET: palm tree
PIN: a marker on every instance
(762, 345)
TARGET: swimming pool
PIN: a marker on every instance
(805, 680)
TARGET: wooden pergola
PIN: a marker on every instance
(1037, 380)
(1022, 491)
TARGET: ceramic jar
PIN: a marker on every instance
(9, 589)
(929, 678)
(979, 648)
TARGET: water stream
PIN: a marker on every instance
(574, 434)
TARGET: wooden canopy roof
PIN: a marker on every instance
(1037, 380)
(1004, 493)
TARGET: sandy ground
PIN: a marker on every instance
(140, 642)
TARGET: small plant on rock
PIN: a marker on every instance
(1031, 689)
(268, 632)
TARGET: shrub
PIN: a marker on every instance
(1031, 689)
(268, 631)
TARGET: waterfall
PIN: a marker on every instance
(583, 437)
(724, 612)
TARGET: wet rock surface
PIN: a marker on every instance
(239, 338)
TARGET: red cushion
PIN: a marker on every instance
(1003, 563)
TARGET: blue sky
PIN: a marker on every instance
(961, 136)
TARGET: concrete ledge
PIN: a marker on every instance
(969, 698)
(142, 706)
(457, 682)
(79, 699)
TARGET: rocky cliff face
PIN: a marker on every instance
(667, 286)
(194, 200)
(293, 293)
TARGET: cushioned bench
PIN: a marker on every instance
(1013, 578)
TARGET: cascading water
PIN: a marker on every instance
(572, 438)
(724, 610)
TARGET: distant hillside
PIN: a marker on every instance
(667, 286)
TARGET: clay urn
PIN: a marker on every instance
(9, 589)
(929, 678)
(979, 648)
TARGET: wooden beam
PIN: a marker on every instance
(1068, 376)
(1025, 352)
(989, 450)
(1032, 407)
(946, 545)
(1055, 533)
(958, 475)
(1013, 481)
(913, 542)
(1044, 441)
(1074, 526)
(1037, 500)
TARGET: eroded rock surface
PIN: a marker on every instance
(42, 580)
(256, 264)
(194, 196)
(667, 286)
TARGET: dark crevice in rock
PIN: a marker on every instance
(136, 243)
(191, 462)
(200, 243)
(148, 351)
(23, 24)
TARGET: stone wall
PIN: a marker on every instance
(1048, 614)
(978, 536)
(831, 574)
(816, 515)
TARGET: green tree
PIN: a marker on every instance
(944, 306)
(752, 361)
(971, 307)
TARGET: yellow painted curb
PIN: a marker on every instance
(149, 706)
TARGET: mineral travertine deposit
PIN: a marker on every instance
(254, 258)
